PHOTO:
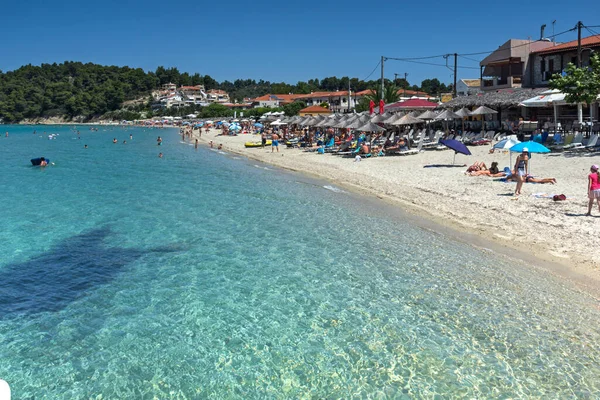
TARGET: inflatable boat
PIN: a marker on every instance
(257, 144)
(38, 161)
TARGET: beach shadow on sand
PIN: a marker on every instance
(444, 166)
(66, 272)
(581, 215)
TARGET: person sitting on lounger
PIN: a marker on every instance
(364, 149)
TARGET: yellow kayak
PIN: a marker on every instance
(257, 144)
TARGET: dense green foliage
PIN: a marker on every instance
(85, 91)
(580, 85)
(70, 89)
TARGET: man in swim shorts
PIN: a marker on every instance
(275, 142)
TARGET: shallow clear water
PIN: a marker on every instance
(204, 275)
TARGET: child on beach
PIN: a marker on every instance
(593, 188)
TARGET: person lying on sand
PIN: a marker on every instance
(477, 166)
(492, 171)
(529, 179)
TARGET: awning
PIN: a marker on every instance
(546, 99)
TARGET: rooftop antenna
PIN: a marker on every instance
(553, 23)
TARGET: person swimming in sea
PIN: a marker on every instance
(160, 155)
(43, 162)
(159, 141)
(114, 140)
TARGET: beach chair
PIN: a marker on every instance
(412, 151)
(576, 143)
(565, 145)
(592, 144)
(434, 142)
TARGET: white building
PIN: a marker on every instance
(465, 87)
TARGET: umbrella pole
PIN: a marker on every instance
(454, 158)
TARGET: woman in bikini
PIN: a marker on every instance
(521, 168)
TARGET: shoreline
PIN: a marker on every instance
(562, 260)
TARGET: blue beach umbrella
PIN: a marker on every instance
(200, 125)
(258, 125)
(532, 147)
(457, 146)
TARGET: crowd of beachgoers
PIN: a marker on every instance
(539, 203)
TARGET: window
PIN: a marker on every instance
(543, 65)
(551, 65)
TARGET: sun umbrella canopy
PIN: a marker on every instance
(381, 117)
(429, 114)
(506, 143)
(463, 112)
(412, 104)
(457, 146)
(532, 147)
(545, 99)
(447, 114)
(407, 120)
(483, 110)
(392, 118)
(370, 127)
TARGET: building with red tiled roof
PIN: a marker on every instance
(314, 110)
(217, 96)
(274, 100)
(554, 59)
(405, 94)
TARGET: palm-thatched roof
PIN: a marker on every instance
(494, 99)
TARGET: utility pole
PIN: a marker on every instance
(382, 84)
(349, 95)
(579, 26)
(405, 83)
(455, 69)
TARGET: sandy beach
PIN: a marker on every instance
(426, 185)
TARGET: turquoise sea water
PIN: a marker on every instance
(205, 275)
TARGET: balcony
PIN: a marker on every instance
(502, 82)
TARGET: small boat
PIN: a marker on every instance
(257, 144)
(38, 161)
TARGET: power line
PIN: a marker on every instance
(372, 72)
(415, 58)
(593, 32)
(434, 64)
(519, 45)
(470, 59)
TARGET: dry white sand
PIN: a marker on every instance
(554, 231)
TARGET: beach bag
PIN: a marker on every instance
(559, 197)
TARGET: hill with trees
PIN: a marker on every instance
(84, 91)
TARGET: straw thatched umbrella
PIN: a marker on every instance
(483, 111)
(463, 113)
(446, 115)
(407, 120)
(371, 127)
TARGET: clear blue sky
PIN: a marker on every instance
(277, 40)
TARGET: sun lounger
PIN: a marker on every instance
(576, 143)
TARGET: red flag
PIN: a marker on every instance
(381, 105)
(371, 106)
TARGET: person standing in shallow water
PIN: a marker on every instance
(159, 141)
(196, 144)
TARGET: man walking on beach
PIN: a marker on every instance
(275, 142)
(263, 138)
